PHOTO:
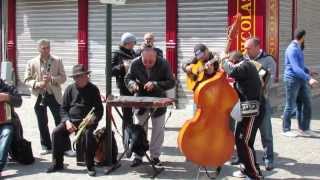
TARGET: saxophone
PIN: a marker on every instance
(83, 126)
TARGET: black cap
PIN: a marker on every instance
(199, 50)
(299, 33)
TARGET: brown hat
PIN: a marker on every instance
(79, 69)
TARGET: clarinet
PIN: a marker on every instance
(43, 94)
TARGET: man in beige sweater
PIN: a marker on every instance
(44, 75)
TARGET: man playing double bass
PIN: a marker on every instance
(249, 89)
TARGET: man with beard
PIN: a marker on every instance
(296, 80)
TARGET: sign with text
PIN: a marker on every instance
(252, 22)
(116, 2)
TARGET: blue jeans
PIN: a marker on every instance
(304, 109)
(293, 88)
(6, 133)
(266, 133)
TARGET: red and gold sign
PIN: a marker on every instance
(272, 33)
(251, 23)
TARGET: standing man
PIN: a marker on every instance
(9, 95)
(150, 75)
(78, 99)
(296, 79)
(121, 59)
(254, 53)
(248, 87)
(44, 75)
(149, 40)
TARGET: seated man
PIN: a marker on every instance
(78, 99)
(150, 75)
(9, 95)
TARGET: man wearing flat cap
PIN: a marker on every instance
(121, 59)
(78, 99)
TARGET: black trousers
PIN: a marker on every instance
(60, 139)
(42, 117)
(126, 112)
(245, 135)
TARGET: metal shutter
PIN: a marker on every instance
(202, 21)
(285, 30)
(137, 17)
(308, 19)
(56, 20)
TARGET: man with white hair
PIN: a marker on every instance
(121, 59)
(44, 75)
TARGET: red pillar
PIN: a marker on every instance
(11, 36)
(171, 34)
(83, 32)
(0, 31)
(294, 17)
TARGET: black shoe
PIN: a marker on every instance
(136, 162)
(54, 168)
(156, 161)
(268, 165)
(235, 161)
(91, 172)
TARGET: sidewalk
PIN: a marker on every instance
(295, 158)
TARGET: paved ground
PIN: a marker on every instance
(295, 158)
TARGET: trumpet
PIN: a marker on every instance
(83, 126)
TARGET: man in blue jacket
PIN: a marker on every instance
(296, 80)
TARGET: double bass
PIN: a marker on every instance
(206, 139)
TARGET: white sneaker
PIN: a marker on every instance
(45, 152)
(70, 153)
(303, 133)
(309, 133)
(289, 134)
(238, 174)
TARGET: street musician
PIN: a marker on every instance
(78, 99)
(150, 76)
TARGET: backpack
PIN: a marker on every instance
(135, 140)
(21, 150)
(100, 155)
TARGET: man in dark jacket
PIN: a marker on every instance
(121, 59)
(8, 97)
(149, 40)
(78, 100)
(150, 75)
(248, 87)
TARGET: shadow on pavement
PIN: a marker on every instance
(23, 170)
(289, 165)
